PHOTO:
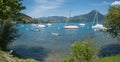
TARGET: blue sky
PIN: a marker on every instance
(44, 8)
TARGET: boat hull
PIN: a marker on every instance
(71, 27)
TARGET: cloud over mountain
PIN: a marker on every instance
(116, 3)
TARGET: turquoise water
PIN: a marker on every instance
(44, 46)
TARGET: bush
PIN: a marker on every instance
(82, 51)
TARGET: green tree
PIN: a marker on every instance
(9, 12)
(82, 51)
(112, 21)
(9, 9)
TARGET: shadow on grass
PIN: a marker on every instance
(37, 53)
(109, 50)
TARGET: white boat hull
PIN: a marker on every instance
(49, 24)
(99, 26)
(81, 24)
(56, 34)
(41, 26)
(71, 27)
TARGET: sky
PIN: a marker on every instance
(45, 8)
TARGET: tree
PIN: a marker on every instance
(9, 9)
(112, 21)
(82, 51)
(9, 12)
(7, 35)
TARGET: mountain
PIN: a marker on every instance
(61, 19)
(79, 18)
(54, 19)
(88, 17)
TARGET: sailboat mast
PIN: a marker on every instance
(69, 13)
(95, 20)
(97, 17)
(68, 17)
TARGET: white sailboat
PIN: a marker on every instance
(35, 28)
(49, 24)
(82, 24)
(55, 33)
(68, 26)
(97, 26)
(41, 26)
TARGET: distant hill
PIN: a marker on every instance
(61, 19)
(88, 17)
(23, 18)
(79, 18)
(54, 19)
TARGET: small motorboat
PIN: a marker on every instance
(56, 34)
(82, 24)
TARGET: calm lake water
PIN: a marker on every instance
(46, 47)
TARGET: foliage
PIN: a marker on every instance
(115, 58)
(9, 11)
(68, 59)
(82, 51)
(7, 35)
(7, 57)
(22, 18)
(112, 21)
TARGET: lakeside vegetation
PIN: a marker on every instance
(115, 58)
(82, 51)
(7, 57)
(9, 13)
(85, 51)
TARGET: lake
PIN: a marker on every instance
(44, 46)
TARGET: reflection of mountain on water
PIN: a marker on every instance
(38, 53)
(110, 50)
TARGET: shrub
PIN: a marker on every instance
(82, 51)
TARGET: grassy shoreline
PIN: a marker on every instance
(7, 57)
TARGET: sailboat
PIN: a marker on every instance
(68, 26)
(97, 26)
(49, 24)
(41, 26)
(35, 28)
(82, 24)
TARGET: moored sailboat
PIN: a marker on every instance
(70, 26)
(97, 26)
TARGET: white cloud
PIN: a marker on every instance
(116, 3)
(42, 6)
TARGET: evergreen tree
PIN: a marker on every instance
(9, 12)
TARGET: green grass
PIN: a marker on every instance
(7, 57)
(115, 58)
